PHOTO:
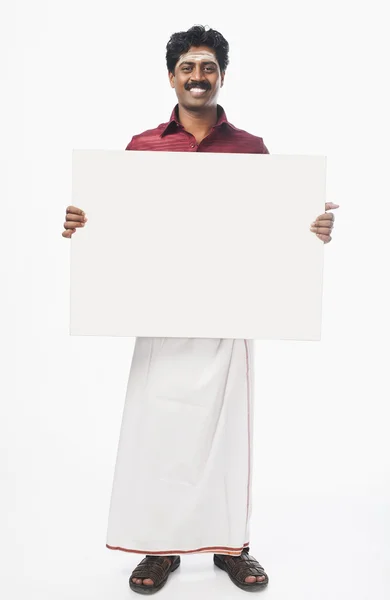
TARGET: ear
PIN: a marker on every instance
(171, 78)
(222, 78)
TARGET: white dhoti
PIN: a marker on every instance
(182, 480)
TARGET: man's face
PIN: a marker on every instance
(197, 78)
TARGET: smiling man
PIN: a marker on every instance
(183, 481)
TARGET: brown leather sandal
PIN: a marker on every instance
(240, 567)
(156, 568)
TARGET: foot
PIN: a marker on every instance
(149, 581)
(250, 578)
(244, 570)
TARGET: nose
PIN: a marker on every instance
(198, 74)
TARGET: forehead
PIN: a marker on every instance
(201, 54)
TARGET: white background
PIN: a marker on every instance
(310, 77)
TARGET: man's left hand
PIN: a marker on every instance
(323, 224)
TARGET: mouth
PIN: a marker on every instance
(197, 92)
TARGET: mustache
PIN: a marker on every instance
(200, 84)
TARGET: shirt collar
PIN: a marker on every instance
(174, 122)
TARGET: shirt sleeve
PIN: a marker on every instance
(264, 149)
(131, 144)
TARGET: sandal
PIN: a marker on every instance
(155, 568)
(240, 567)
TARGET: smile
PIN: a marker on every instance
(197, 91)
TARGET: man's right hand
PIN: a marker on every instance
(75, 217)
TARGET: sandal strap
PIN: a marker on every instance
(241, 567)
(153, 567)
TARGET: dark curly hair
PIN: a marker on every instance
(181, 42)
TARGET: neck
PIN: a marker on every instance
(198, 122)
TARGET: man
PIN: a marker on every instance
(183, 473)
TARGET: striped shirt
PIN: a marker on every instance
(223, 137)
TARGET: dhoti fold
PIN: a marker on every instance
(182, 481)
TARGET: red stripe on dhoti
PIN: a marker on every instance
(214, 549)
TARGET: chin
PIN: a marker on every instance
(199, 101)
(194, 104)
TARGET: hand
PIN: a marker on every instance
(75, 217)
(323, 224)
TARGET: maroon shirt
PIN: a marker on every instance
(223, 137)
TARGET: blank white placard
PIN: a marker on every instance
(207, 245)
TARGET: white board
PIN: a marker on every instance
(207, 245)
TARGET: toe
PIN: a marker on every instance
(260, 577)
(148, 582)
(250, 579)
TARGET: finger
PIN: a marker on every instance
(321, 230)
(68, 233)
(323, 223)
(73, 224)
(75, 210)
(325, 238)
(74, 217)
(325, 217)
(331, 206)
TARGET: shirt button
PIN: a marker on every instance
(192, 145)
